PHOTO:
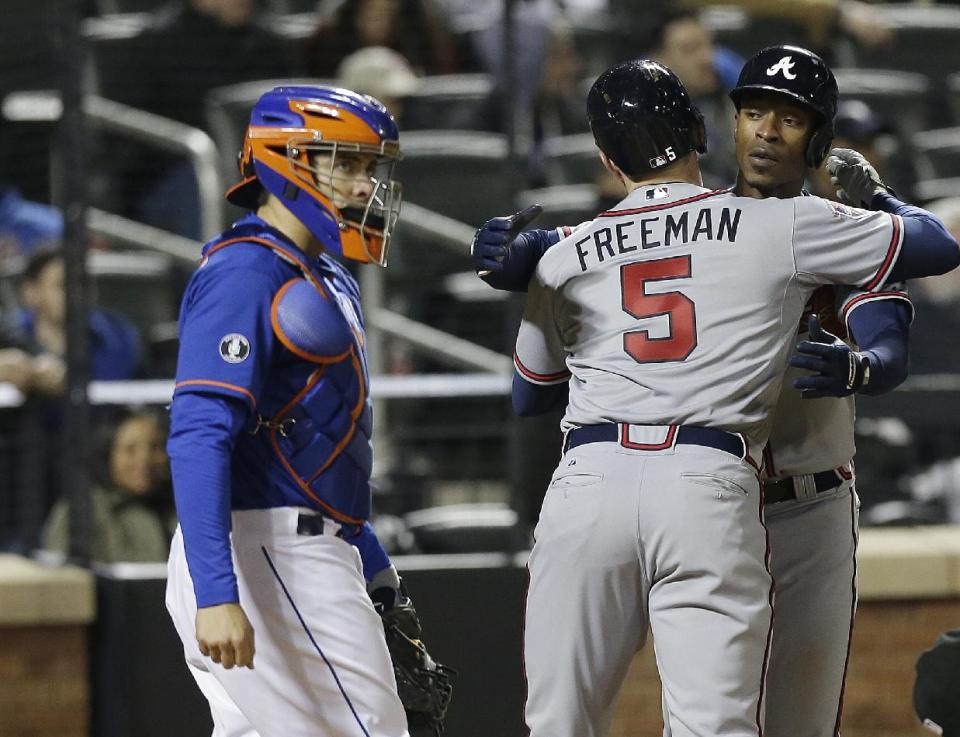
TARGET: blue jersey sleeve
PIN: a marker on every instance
(203, 429)
(226, 337)
(374, 557)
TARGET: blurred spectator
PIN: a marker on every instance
(381, 72)
(413, 28)
(821, 20)
(544, 93)
(132, 505)
(190, 48)
(683, 42)
(26, 225)
(37, 365)
(859, 127)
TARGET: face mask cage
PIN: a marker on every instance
(372, 215)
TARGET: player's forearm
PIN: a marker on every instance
(882, 332)
(202, 432)
(372, 553)
(532, 399)
(928, 246)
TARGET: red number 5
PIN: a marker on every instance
(637, 303)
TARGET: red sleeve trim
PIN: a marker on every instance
(245, 393)
(896, 239)
(536, 378)
(863, 298)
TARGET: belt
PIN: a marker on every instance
(310, 525)
(677, 435)
(785, 489)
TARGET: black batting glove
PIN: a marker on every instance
(838, 370)
(504, 256)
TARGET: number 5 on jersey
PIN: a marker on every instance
(680, 310)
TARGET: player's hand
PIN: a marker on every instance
(838, 369)
(225, 635)
(854, 177)
(492, 241)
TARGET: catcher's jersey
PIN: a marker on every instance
(681, 305)
(813, 435)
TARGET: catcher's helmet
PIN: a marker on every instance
(291, 126)
(642, 117)
(802, 75)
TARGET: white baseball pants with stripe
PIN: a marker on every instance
(321, 667)
(671, 540)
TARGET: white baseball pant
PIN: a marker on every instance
(321, 665)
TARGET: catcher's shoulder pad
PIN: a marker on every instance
(309, 322)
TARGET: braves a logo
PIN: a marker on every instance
(785, 65)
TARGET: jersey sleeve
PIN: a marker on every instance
(834, 243)
(540, 356)
(226, 337)
(850, 299)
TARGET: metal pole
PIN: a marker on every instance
(71, 144)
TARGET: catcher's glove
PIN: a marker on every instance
(422, 683)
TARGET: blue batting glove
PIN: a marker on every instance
(838, 370)
(504, 256)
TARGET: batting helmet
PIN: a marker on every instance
(802, 75)
(290, 129)
(642, 117)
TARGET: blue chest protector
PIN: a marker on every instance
(316, 418)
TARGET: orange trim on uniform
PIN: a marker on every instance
(663, 205)
(892, 250)
(222, 384)
(354, 414)
(533, 375)
(304, 486)
(627, 443)
(289, 344)
(276, 249)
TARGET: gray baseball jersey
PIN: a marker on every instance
(678, 307)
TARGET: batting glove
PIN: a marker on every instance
(838, 369)
(505, 257)
(854, 177)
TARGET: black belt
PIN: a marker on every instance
(310, 525)
(686, 435)
(783, 490)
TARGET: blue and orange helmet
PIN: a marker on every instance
(291, 149)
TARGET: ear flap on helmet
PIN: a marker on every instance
(819, 145)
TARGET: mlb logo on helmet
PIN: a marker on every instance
(658, 161)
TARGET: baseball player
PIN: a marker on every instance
(654, 514)
(810, 503)
(270, 444)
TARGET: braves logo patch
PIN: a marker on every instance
(845, 211)
(784, 66)
(234, 348)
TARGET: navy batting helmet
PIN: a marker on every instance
(802, 75)
(642, 117)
